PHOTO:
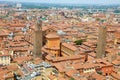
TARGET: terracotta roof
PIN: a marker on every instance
(52, 36)
(70, 46)
(60, 67)
(12, 67)
(20, 60)
(4, 32)
(52, 77)
(116, 61)
(98, 76)
(116, 76)
(6, 73)
(71, 73)
(73, 57)
(17, 25)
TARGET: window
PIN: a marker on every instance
(2, 58)
(5, 57)
(55, 55)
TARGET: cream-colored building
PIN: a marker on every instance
(4, 58)
(89, 70)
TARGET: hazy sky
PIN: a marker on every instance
(72, 1)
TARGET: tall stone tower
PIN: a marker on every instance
(38, 39)
(101, 43)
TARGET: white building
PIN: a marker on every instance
(18, 5)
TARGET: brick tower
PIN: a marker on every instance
(101, 43)
(38, 39)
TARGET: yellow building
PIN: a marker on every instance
(4, 58)
(53, 44)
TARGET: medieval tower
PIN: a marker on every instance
(38, 39)
(101, 43)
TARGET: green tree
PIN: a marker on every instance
(119, 53)
(99, 72)
(72, 79)
(79, 42)
(97, 19)
(116, 11)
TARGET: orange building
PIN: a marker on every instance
(117, 37)
(53, 44)
(47, 30)
(107, 70)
